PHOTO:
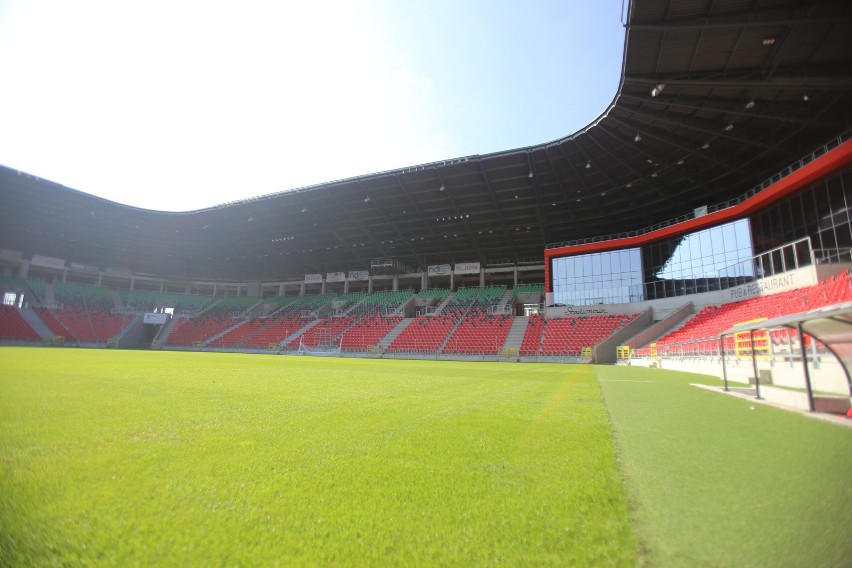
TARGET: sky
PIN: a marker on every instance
(181, 105)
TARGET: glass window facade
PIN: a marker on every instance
(718, 257)
(712, 259)
(821, 211)
(599, 278)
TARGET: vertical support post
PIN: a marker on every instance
(790, 349)
(770, 347)
(754, 365)
(805, 367)
(724, 370)
(811, 251)
(815, 353)
(795, 255)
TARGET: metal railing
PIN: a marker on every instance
(832, 255)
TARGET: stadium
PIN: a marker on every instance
(697, 231)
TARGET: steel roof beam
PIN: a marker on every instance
(784, 117)
(757, 23)
(537, 194)
(497, 209)
(456, 207)
(822, 83)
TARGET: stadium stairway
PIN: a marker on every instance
(507, 297)
(49, 296)
(35, 322)
(515, 337)
(118, 305)
(279, 327)
(56, 327)
(132, 335)
(336, 326)
(408, 306)
(392, 334)
(451, 332)
(284, 342)
(163, 335)
(353, 308)
(209, 342)
(440, 307)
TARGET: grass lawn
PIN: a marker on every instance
(713, 482)
(116, 458)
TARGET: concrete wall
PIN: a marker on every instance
(662, 327)
(828, 377)
(605, 352)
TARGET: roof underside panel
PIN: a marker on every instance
(715, 97)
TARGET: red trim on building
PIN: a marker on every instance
(829, 162)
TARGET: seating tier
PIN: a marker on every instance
(711, 321)
(425, 334)
(13, 326)
(478, 333)
(368, 332)
(188, 331)
(328, 329)
(281, 328)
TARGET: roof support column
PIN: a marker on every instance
(807, 372)
(754, 364)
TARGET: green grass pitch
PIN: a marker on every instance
(156, 458)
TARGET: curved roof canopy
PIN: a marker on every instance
(715, 97)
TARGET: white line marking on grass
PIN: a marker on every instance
(626, 381)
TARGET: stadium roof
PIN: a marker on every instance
(715, 97)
